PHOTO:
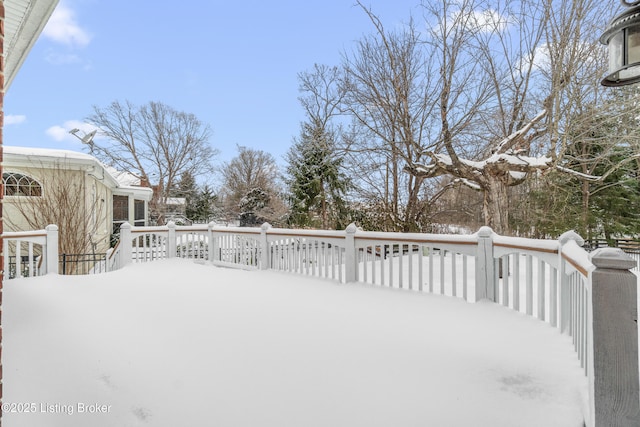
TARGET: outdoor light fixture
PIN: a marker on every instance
(623, 38)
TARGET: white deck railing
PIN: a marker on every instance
(546, 279)
(551, 280)
(33, 252)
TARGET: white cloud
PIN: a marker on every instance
(489, 20)
(61, 132)
(62, 59)
(63, 28)
(484, 21)
(538, 60)
(541, 59)
(57, 132)
(14, 119)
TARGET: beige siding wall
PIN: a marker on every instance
(91, 195)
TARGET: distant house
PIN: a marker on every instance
(175, 206)
(175, 209)
(40, 184)
(164, 210)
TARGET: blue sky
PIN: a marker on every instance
(232, 64)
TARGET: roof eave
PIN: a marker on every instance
(140, 193)
(29, 23)
(88, 165)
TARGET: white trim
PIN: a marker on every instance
(44, 158)
(23, 173)
(24, 21)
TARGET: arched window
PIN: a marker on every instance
(16, 184)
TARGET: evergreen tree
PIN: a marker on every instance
(200, 201)
(252, 205)
(248, 175)
(204, 207)
(316, 182)
(187, 189)
(600, 194)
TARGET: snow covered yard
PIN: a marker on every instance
(174, 343)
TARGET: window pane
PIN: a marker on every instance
(616, 54)
(10, 189)
(633, 43)
(16, 184)
(36, 191)
(139, 209)
(120, 208)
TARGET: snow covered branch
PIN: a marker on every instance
(473, 170)
(471, 184)
(504, 160)
(580, 174)
(508, 142)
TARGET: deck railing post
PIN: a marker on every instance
(613, 332)
(264, 246)
(51, 257)
(565, 288)
(172, 244)
(108, 265)
(485, 288)
(350, 258)
(126, 255)
(214, 245)
(210, 245)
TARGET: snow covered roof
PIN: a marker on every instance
(124, 178)
(176, 201)
(49, 158)
(47, 153)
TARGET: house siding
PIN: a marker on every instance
(76, 179)
(92, 195)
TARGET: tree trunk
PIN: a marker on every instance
(325, 218)
(411, 220)
(496, 205)
(396, 189)
(586, 230)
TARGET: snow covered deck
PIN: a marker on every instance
(174, 343)
(585, 296)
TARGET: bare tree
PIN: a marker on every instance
(533, 63)
(485, 97)
(250, 188)
(154, 142)
(322, 94)
(390, 95)
(71, 203)
(594, 190)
